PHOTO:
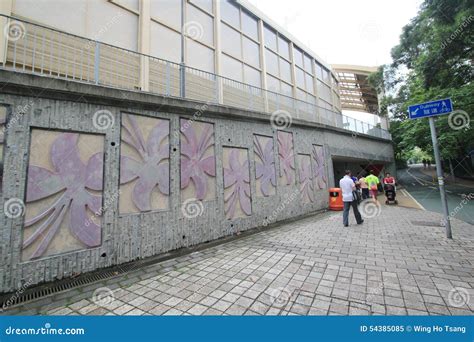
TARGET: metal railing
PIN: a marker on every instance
(37, 49)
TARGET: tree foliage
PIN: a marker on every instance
(433, 60)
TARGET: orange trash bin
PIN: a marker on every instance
(335, 199)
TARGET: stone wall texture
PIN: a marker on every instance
(148, 210)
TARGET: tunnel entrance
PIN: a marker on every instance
(358, 166)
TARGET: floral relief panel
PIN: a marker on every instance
(63, 193)
(144, 164)
(286, 157)
(237, 197)
(305, 178)
(265, 173)
(319, 167)
(198, 161)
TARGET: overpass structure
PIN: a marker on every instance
(111, 154)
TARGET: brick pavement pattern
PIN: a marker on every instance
(390, 265)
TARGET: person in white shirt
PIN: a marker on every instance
(347, 185)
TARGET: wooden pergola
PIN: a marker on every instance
(356, 92)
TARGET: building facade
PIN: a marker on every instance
(228, 38)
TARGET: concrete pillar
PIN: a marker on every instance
(218, 49)
(144, 23)
(263, 64)
(6, 9)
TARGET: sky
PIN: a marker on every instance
(360, 32)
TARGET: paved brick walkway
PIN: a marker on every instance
(388, 265)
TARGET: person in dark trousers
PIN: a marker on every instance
(424, 163)
(429, 163)
(347, 186)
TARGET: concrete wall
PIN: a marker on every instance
(41, 110)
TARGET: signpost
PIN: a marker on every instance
(430, 110)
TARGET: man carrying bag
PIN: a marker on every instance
(348, 188)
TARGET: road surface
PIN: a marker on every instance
(423, 188)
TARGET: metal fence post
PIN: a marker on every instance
(182, 80)
(96, 62)
(168, 78)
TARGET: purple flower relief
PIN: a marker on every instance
(195, 166)
(319, 167)
(305, 178)
(237, 179)
(265, 164)
(287, 157)
(73, 179)
(152, 170)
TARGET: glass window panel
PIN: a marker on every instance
(199, 25)
(300, 95)
(300, 78)
(133, 4)
(231, 41)
(283, 47)
(298, 57)
(229, 13)
(167, 12)
(286, 89)
(252, 76)
(231, 68)
(199, 56)
(204, 4)
(271, 61)
(309, 83)
(251, 52)
(324, 91)
(273, 84)
(285, 70)
(165, 43)
(319, 71)
(249, 25)
(326, 76)
(308, 64)
(270, 38)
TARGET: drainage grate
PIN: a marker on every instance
(16, 298)
(427, 223)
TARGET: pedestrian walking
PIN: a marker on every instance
(364, 187)
(429, 163)
(373, 182)
(348, 188)
(424, 163)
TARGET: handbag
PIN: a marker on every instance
(356, 196)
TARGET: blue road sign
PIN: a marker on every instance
(432, 108)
